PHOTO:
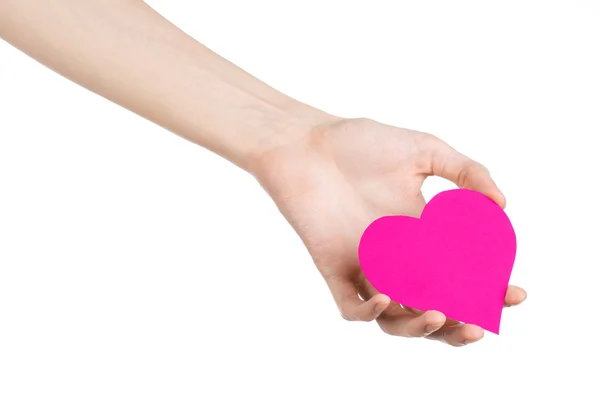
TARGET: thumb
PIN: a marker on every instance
(464, 172)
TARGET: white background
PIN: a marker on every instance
(133, 263)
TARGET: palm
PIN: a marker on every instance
(333, 184)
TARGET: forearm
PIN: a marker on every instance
(126, 52)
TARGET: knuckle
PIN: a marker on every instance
(347, 315)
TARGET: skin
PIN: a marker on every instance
(329, 176)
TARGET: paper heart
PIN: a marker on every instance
(457, 258)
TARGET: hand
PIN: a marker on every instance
(330, 181)
(333, 181)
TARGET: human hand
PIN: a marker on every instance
(334, 180)
(330, 179)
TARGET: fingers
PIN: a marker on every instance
(514, 296)
(351, 307)
(359, 310)
(414, 326)
(464, 172)
(458, 334)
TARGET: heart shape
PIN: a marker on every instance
(457, 258)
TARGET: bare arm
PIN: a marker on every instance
(128, 53)
(329, 177)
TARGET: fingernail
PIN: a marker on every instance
(523, 296)
(467, 342)
(431, 328)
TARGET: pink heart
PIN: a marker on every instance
(457, 258)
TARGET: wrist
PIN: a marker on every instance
(282, 130)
